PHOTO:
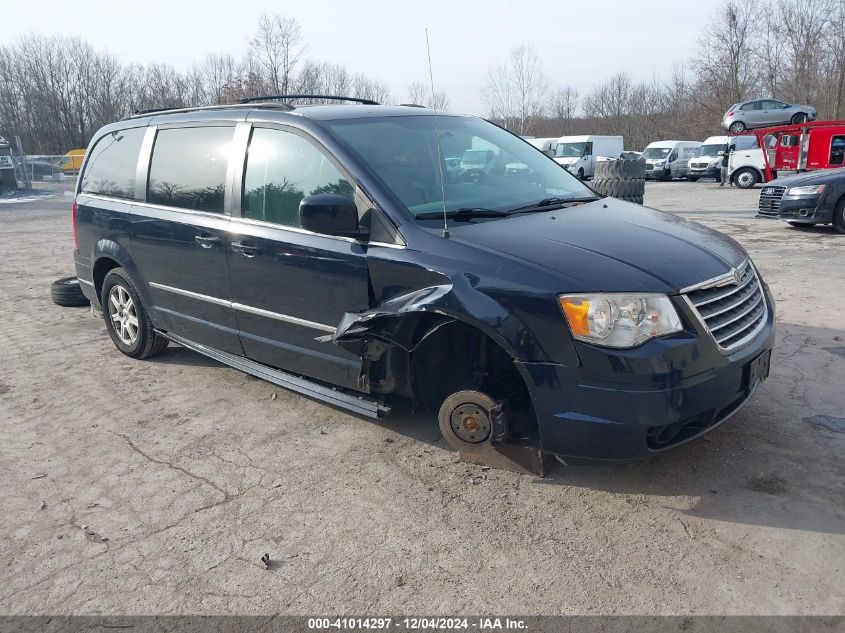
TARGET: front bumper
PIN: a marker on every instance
(802, 209)
(706, 172)
(630, 404)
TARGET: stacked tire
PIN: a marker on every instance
(623, 179)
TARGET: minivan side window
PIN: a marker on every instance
(188, 168)
(837, 150)
(281, 169)
(110, 170)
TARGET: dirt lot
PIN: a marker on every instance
(155, 487)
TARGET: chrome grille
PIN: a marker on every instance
(732, 311)
(770, 198)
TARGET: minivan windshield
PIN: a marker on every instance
(402, 152)
(569, 150)
(656, 152)
(713, 150)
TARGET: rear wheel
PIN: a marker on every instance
(839, 216)
(127, 321)
(737, 126)
(745, 178)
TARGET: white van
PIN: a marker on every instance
(665, 160)
(578, 153)
(746, 165)
(709, 161)
(545, 145)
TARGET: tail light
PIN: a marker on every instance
(73, 219)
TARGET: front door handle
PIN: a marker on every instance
(206, 241)
(247, 250)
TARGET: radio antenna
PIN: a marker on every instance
(437, 138)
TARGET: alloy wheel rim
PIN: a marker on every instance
(124, 317)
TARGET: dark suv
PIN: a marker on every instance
(312, 247)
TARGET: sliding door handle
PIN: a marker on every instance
(247, 250)
(205, 241)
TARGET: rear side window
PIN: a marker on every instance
(751, 105)
(281, 169)
(837, 150)
(188, 168)
(110, 170)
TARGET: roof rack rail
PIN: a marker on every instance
(153, 111)
(331, 97)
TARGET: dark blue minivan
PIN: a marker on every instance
(348, 253)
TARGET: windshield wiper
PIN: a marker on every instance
(545, 203)
(463, 212)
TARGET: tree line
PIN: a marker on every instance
(792, 50)
(56, 91)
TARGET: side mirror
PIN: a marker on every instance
(330, 214)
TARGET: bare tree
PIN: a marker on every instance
(564, 108)
(420, 94)
(516, 90)
(726, 66)
(277, 47)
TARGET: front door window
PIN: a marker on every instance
(282, 168)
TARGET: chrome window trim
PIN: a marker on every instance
(292, 229)
(163, 207)
(233, 220)
(245, 308)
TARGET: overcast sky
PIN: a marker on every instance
(579, 43)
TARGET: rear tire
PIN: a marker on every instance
(127, 321)
(839, 216)
(67, 292)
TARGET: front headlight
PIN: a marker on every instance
(624, 319)
(805, 191)
(716, 163)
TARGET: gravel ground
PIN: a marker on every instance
(134, 487)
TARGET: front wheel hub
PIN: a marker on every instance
(471, 423)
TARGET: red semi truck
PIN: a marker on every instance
(801, 147)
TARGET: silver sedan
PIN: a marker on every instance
(763, 113)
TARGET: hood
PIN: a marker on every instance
(817, 177)
(565, 160)
(611, 246)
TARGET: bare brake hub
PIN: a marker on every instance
(471, 423)
(479, 428)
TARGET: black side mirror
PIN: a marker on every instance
(330, 214)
